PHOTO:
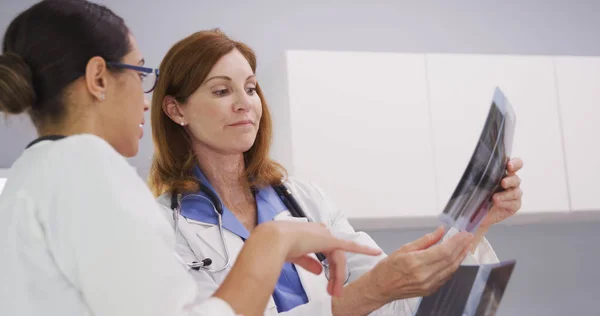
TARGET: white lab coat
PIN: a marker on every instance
(199, 240)
(81, 234)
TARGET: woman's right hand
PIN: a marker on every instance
(419, 268)
(300, 239)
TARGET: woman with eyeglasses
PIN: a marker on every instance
(80, 232)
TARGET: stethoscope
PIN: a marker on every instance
(284, 194)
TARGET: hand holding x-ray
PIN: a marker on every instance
(506, 203)
(481, 181)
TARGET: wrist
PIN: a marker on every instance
(373, 287)
(277, 239)
(376, 288)
(360, 297)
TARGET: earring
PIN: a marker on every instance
(182, 123)
(102, 96)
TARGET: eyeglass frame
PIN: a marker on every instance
(145, 70)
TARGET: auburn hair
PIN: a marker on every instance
(182, 71)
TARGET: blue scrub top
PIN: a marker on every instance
(289, 292)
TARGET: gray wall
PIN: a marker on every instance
(557, 266)
(555, 271)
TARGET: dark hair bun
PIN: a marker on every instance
(16, 87)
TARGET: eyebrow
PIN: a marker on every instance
(226, 78)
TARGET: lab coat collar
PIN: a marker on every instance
(268, 204)
(198, 208)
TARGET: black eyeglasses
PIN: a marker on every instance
(149, 75)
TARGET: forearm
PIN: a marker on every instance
(251, 281)
(359, 298)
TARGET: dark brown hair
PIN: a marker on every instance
(183, 70)
(47, 47)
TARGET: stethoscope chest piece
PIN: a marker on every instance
(204, 264)
(327, 271)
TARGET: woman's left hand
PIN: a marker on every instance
(508, 202)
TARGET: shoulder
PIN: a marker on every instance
(305, 189)
(86, 146)
(81, 155)
(312, 199)
(96, 177)
(88, 160)
(164, 204)
(67, 164)
(87, 163)
(164, 200)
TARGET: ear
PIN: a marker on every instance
(95, 77)
(173, 110)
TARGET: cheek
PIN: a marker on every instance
(258, 108)
(131, 108)
(135, 104)
(131, 94)
(205, 119)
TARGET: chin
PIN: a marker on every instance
(231, 146)
(245, 147)
(244, 144)
(131, 150)
(238, 148)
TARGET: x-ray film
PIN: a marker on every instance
(472, 291)
(472, 198)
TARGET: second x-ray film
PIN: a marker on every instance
(472, 198)
(472, 291)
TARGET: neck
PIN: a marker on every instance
(71, 125)
(225, 172)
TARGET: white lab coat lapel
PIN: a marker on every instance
(205, 241)
(315, 286)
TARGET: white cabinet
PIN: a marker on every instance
(360, 130)
(388, 135)
(578, 81)
(461, 88)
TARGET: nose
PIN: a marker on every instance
(146, 104)
(242, 102)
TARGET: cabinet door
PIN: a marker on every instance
(360, 130)
(578, 81)
(461, 88)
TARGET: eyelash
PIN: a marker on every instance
(224, 92)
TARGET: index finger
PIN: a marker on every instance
(350, 246)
